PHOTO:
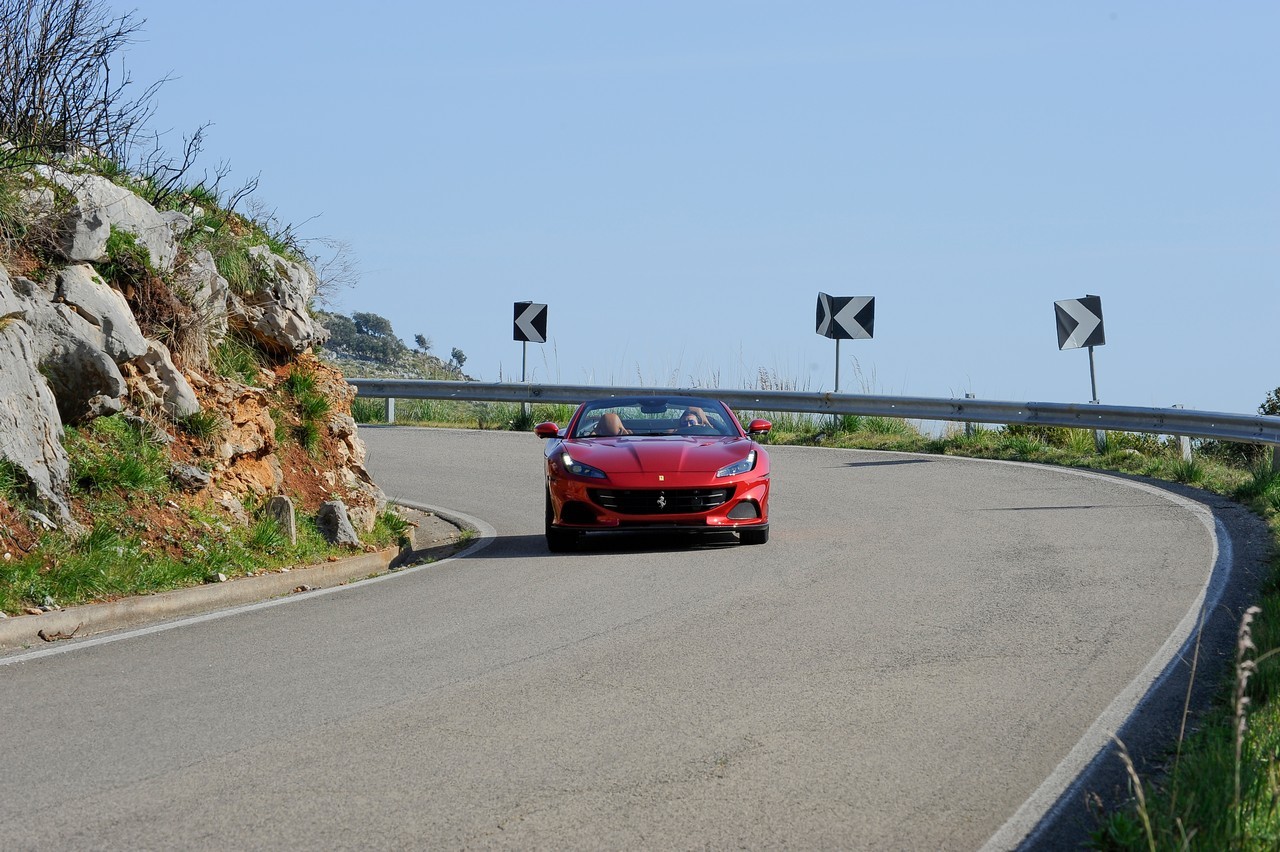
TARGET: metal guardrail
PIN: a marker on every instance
(1241, 428)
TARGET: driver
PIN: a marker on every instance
(692, 419)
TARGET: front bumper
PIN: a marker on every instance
(688, 504)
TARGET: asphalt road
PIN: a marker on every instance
(918, 647)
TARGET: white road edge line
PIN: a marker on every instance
(1092, 746)
(486, 536)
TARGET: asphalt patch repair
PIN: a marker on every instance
(433, 538)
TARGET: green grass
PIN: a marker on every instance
(10, 482)
(310, 406)
(112, 455)
(203, 425)
(395, 526)
(234, 264)
(300, 381)
(237, 358)
(113, 560)
(308, 435)
(127, 261)
(461, 414)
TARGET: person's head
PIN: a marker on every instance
(610, 424)
(693, 416)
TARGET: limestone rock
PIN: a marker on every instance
(280, 508)
(88, 342)
(29, 418)
(154, 377)
(100, 205)
(234, 507)
(334, 524)
(200, 285)
(276, 313)
(102, 306)
(189, 478)
(83, 377)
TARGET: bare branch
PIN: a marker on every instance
(58, 91)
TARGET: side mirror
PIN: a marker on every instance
(759, 427)
(546, 430)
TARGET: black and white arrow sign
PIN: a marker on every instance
(846, 317)
(1079, 322)
(531, 322)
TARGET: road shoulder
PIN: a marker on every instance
(434, 538)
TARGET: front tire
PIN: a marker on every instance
(558, 540)
(754, 535)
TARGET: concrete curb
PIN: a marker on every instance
(78, 622)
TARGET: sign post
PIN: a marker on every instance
(530, 326)
(1080, 327)
(845, 318)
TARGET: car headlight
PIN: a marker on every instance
(738, 467)
(577, 468)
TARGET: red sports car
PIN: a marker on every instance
(655, 463)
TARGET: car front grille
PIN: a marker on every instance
(672, 501)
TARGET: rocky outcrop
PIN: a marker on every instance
(198, 284)
(365, 499)
(89, 347)
(103, 307)
(276, 312)
(30, 426)
(157, 382)
(101, 205)
(73, 349)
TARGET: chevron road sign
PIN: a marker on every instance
(1079, 323)
(531, 322)
(846, 317)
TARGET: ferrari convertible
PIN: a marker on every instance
(655, 463)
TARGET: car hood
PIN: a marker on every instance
(641, 454)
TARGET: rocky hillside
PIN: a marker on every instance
(186, 325)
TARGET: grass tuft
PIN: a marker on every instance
(203, 425)
(1188, 470)
(266, 536)
(111, 454)
(236, 358)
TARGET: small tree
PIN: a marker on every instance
(422, 342)
(458, 358)
(1271, 405)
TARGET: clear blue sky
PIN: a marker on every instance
(678, 180)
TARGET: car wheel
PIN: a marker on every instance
(558, 540)
(754, 535)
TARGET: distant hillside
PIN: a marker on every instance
(363, 345)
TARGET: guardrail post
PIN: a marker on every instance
(1099, 437)
(1184, 443)
(391, 409)
(968, 424)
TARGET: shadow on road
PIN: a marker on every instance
(887, 463)
(533, 546)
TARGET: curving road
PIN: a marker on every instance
(916, 650)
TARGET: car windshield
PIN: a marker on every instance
(650, 416)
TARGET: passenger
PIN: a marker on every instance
(610, 426)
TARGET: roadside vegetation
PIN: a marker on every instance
(142, 535)
(64, 105)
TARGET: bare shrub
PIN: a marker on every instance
(58, 90)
